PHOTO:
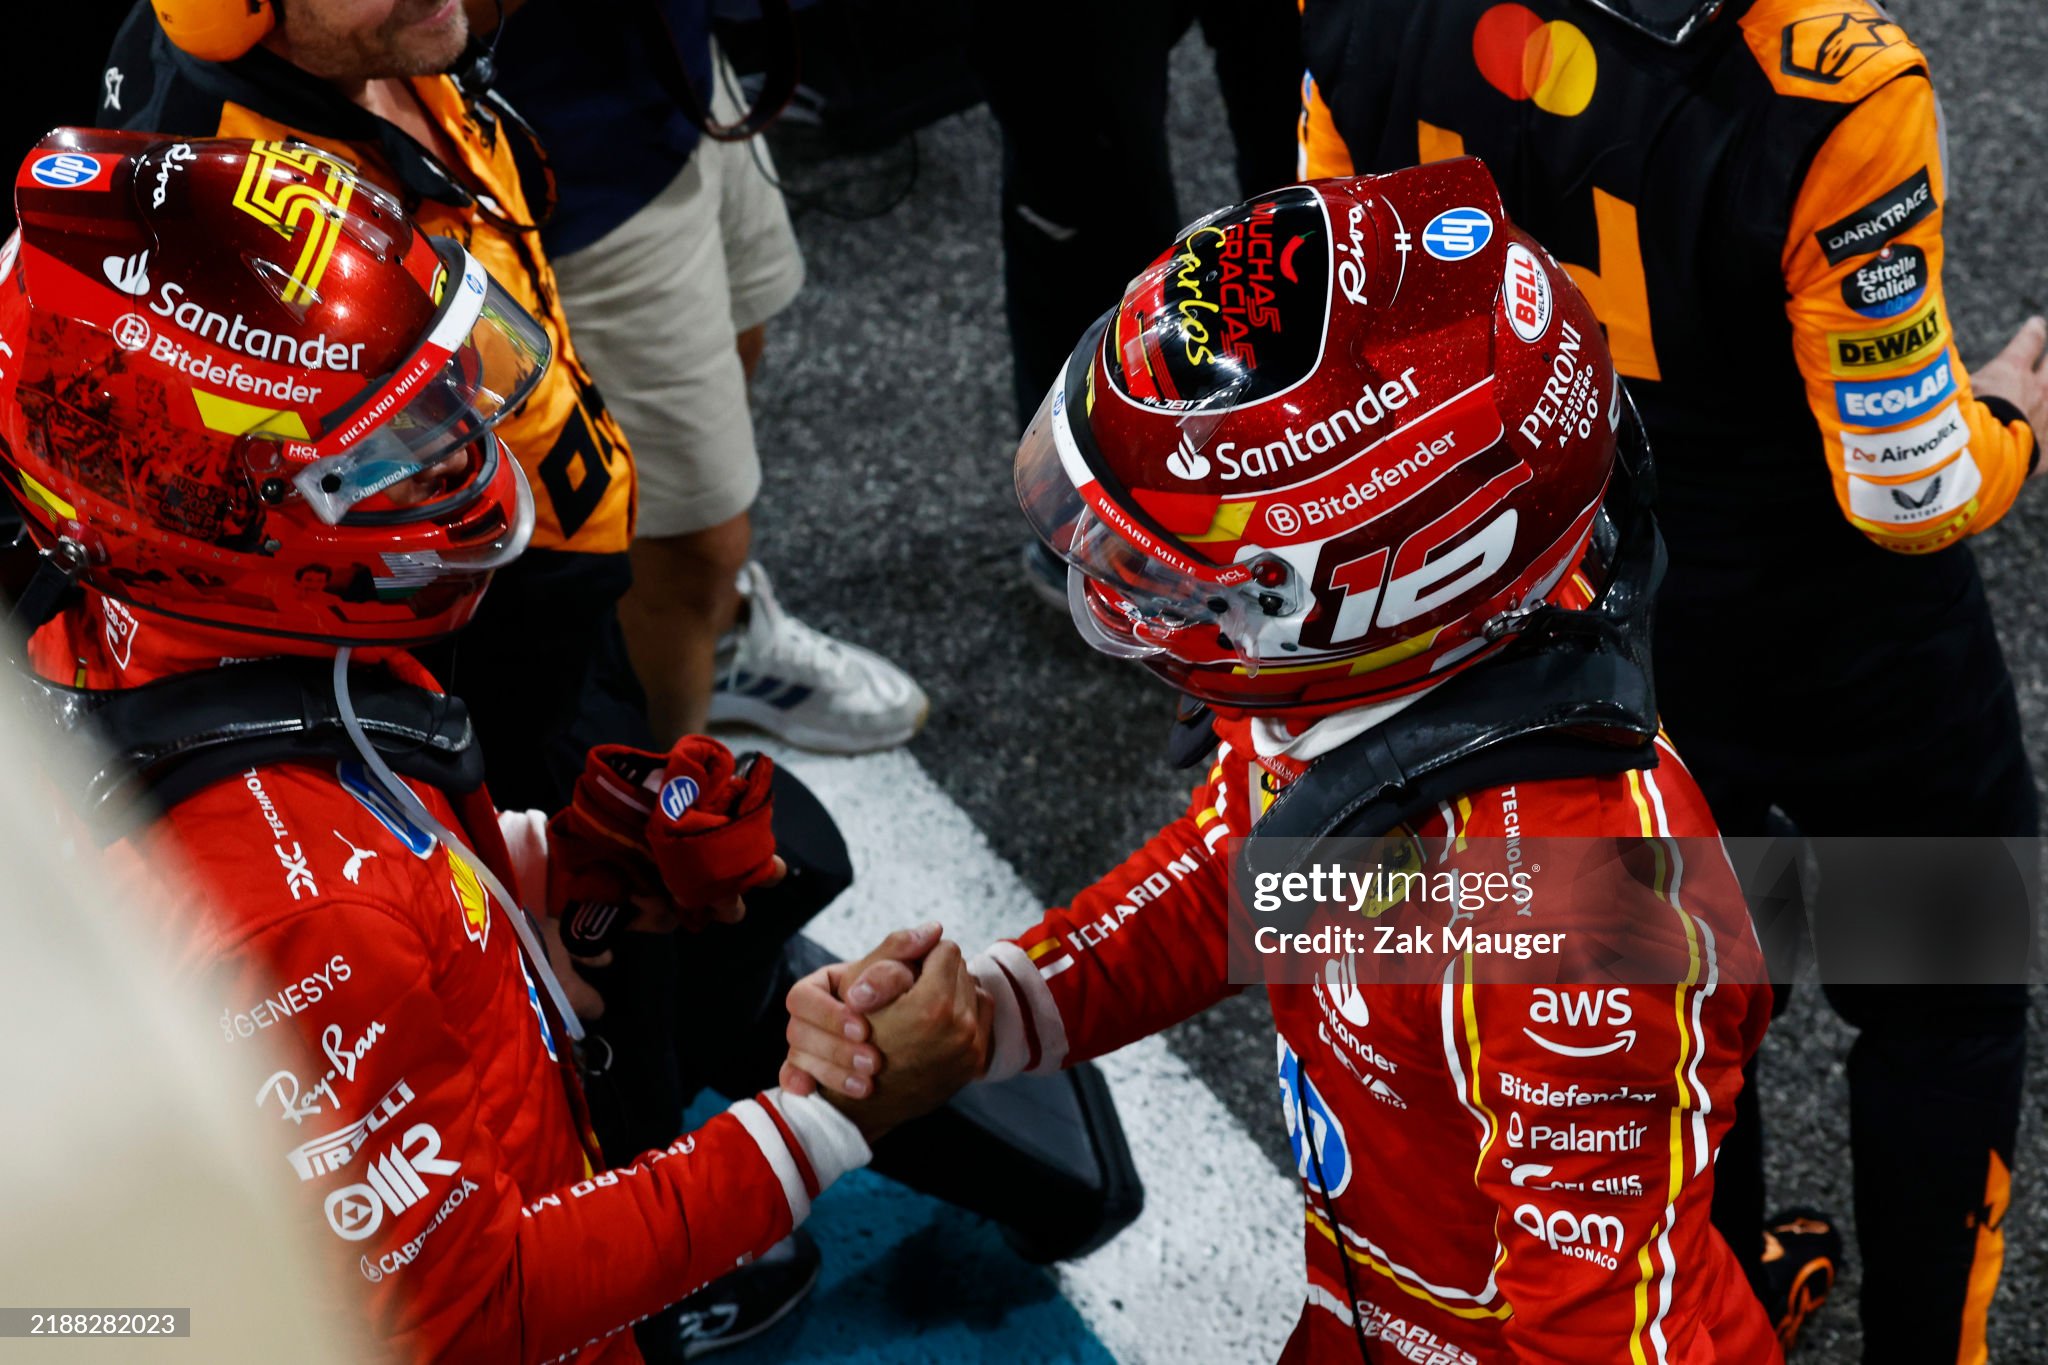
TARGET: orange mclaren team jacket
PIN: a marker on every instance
(1757, 220)
(397, 1055)
(1510, 1176)
(574, 454)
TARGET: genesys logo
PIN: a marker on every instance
(1889, 283)
(1910, 342)
(1870, 227)
(1916, 448)
(1904, 398)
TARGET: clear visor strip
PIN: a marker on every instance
(1075, 466)
(449, 333)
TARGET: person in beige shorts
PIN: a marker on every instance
(669, 310)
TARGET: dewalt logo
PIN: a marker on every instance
(1916, 339)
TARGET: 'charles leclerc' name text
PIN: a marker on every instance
(313, 353)
(1320, 438)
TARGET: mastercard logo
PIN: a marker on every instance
(1552, 64)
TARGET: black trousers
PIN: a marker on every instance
(1927, 742)
(1079, 88)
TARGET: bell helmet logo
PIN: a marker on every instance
(1525, 291)
(129, 274)
(1186, 462)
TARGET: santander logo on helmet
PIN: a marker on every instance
(1354, 483)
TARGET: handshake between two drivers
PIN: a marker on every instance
(892, 1036)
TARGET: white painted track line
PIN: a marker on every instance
(1212, 1270)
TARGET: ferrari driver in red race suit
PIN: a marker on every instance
(255, 423)
(1290, 474)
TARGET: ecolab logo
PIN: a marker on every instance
(1320, 437)
(313, 353)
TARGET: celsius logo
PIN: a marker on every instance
(129, 274)
(1186, 462)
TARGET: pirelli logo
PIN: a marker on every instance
(1913, 340)
(302, 194)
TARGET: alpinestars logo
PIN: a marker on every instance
(1186, 462)
(129, 274)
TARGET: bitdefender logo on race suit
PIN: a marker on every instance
(1237, 306)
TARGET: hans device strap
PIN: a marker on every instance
(160, 743)
(1572, 697)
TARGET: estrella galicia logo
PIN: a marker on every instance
(65, 170)
(1888, 283)
(1883, 218)
(356, 780)
(1457, 233)
(1906, 398)
(1309, 1120)
(677, 796)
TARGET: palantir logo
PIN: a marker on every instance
(1186, 462)
(129, 274)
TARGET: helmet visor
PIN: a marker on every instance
(480, 359)
(1151, 587)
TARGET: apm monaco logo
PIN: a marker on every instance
(1186, 462)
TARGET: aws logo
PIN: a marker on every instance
(1552, 65)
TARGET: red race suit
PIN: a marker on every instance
(400, 1057)
(1498, 1199)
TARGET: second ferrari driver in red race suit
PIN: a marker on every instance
(1291, 475)
(1752, 196)
(331, 492)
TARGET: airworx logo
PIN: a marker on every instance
(1186, 462)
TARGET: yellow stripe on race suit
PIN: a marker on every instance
(1665, 884)
(1042, 948)
(1375, 1264)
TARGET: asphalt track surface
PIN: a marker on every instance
(885, 427)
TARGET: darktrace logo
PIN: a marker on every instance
(1870, 227)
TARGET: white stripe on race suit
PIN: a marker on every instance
(1212, 1270)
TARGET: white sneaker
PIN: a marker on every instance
(798, 683)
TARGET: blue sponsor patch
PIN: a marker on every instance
(356, 780)
(65, 170)
(1457, 233)
(1889, 283)
(678, 796)
(1905, 398)
(547, 1035)
(1309, 1120)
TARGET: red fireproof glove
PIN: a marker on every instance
(691, 825)
(711, 831)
